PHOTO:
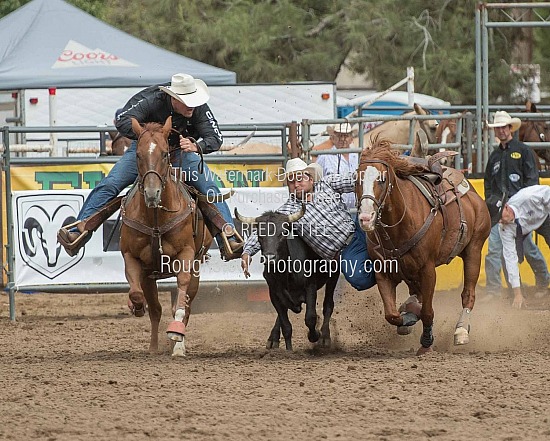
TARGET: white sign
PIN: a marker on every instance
(40, 260)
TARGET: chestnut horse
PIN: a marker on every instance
(535, 131)
(118, 143)
(404, 227)
(161, 236)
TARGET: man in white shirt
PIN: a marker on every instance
(341, 136)
(527, 211)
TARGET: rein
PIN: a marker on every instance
(194, 141)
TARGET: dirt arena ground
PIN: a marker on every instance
(76, 367)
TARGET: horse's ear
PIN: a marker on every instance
(167, 127)
(136, 127)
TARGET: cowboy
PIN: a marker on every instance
(326, 226)
(510, 168)
(195, 132)
(341, 136)
(527, 211)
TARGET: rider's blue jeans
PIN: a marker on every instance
(124, 173)
(494, 261)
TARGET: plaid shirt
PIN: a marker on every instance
(326, 224)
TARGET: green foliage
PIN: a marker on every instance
(7, 6)
(93, 7)
(297, 40)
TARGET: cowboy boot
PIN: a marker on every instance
(73, 241)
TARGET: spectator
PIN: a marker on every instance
(341, 136)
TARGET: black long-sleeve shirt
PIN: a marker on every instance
(510, 168)
(154, 105)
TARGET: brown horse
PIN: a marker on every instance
(419, 233)
(161, 236)
(535, 131)
(117, 143)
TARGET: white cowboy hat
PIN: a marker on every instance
(502, 119)
(297, 165)
(188, 90)
(342, 128)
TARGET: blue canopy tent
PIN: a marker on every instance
(50, 43)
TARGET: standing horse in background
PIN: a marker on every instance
(398, 208)
(535, 131)
(118, 143)
(161, 236)
(397, 132)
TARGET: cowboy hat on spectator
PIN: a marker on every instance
(503, 119)
(342, 128)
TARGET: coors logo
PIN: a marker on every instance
(78, 55)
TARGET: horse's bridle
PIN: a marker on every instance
(379, 204)
(534, 126)
(388, 187)
(162, 178)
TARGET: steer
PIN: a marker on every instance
(294, 273)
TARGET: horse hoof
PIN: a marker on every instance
(272, 344)
(136, 311)
(404, 330)
(461, 337)
(424, 350)
(411, 305)
(313, 336)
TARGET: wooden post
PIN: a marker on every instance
(293, 140)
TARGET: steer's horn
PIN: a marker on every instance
(245, 219)
(295, 216)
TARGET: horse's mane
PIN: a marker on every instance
(152, 126)
(382, 150)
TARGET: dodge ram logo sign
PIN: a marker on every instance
(39, 217)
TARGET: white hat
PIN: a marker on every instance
(502, 119)
(342, 128)
(297, 165)
(188, 90)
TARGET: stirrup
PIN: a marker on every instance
(226, 252)
(71, 247)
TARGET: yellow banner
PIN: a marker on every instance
(66, 177)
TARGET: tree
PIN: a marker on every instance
(93, 7)
(297, 40)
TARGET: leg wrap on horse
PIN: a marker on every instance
(427, 338)
(464, 319)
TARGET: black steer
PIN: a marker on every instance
(294, 273)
